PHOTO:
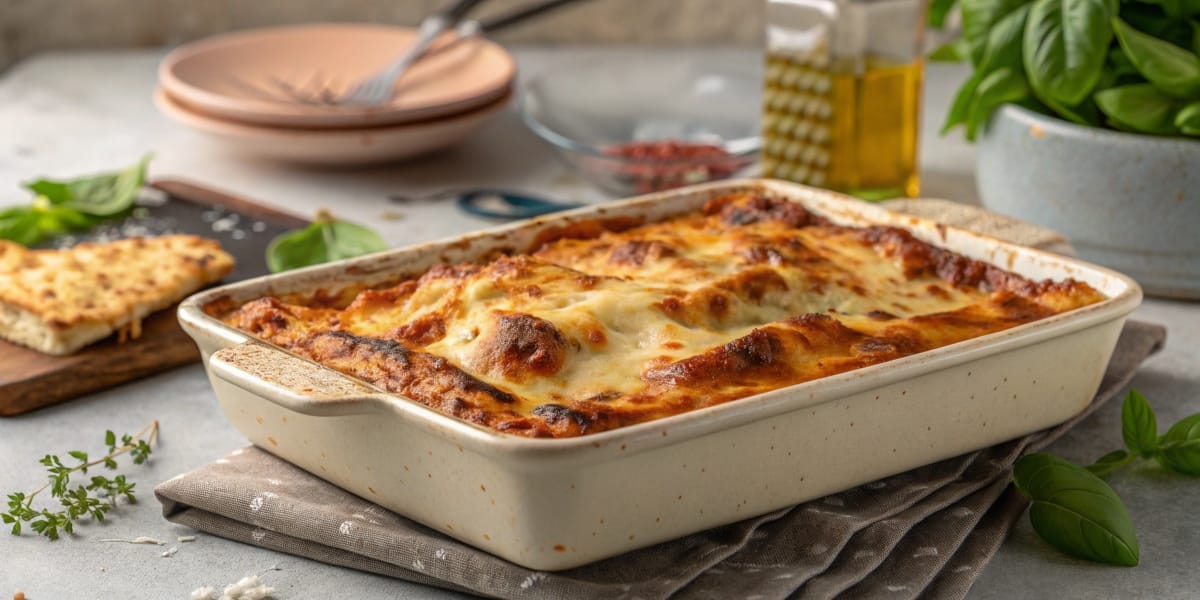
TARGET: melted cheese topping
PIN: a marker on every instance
(584, 335)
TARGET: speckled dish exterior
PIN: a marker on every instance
(558, 503)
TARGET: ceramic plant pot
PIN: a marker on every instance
(1127, 201)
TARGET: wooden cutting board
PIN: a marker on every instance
(30, 379)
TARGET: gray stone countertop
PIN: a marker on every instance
(71, 113)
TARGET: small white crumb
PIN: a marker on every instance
(205, 593)
(247, 588)
(185, 538)
(170, 552)
(137, 540)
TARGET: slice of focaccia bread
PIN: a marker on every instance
(57, 301)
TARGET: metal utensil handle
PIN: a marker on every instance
(535, 10)
(458, 10)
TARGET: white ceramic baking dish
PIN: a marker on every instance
(558, 503)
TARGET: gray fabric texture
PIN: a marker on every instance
(927, 532)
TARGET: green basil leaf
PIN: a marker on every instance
(1188, 119)
(1169, 67)
(978, 18)
(1075, 511)
(1085, 113)
(1139, 427)
(1105, 465)
(1119, 64)
(1003, 47)
(56, 192)
(955, 51)
(1179, 449)
(1065, 45)
(325, 240)
(101, 195)
(938, 11)
(999, 87)
(1142, 108)
(347, 240)
(960, 108)
(20, 225)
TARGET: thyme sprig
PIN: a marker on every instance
(93, 499)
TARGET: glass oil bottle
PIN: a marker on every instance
(842, 94)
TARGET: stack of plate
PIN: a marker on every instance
(273, 92)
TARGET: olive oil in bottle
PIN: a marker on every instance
(842, 95)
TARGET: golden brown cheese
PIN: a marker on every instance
(605, 328)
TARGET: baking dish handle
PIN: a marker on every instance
(292, 382)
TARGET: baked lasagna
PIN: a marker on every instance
(608, 326)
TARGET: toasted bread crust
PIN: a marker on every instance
(57, 301)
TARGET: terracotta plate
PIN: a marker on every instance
(277, 76)
(346, 146)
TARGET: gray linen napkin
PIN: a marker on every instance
(929, 531)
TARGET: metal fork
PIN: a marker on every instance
(379, 88)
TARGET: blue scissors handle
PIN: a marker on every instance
(505, 205)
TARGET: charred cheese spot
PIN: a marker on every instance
(636, 252)
(521, 346)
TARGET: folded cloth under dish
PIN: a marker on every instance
(929, 531)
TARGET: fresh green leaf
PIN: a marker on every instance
(978, 17)
(1142, 108)
(1085, 113)
(1139, 427)
(938, 11)
(57, 192)
(1065, 45)
(955, 51)
(1001, 86)
(1105, 465)
(79, 502)
(1170, 68)
(1188, 119)
(1179, 449)
(20, 225)
(1195, 24)
(325, 240)
(101, 195)
(960, 108)
(1004, 41)
(1075, 511)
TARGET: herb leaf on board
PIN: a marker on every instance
(100, 195)
(325, 239)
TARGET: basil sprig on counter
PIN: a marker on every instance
(1077, 512)
(73, 205)
(325, 239)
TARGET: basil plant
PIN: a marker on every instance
(1129, 65)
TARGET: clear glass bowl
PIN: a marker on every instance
(649, 123)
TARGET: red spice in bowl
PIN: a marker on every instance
(653, 165)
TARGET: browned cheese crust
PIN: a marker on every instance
(605, 328)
